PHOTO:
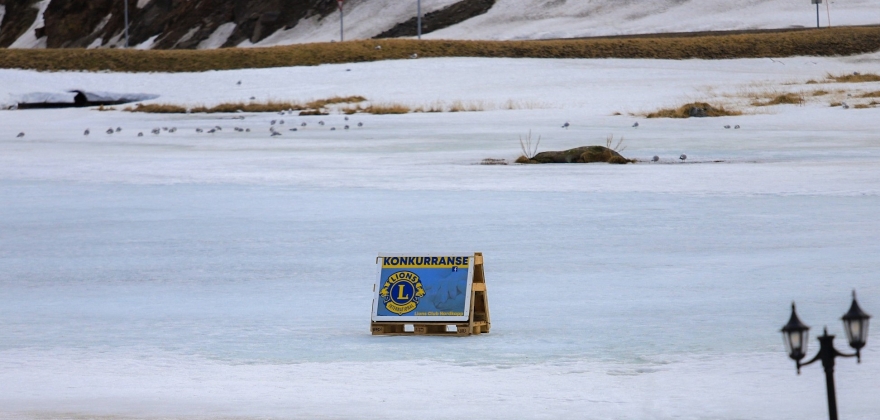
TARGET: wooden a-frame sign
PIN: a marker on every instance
(477, 322)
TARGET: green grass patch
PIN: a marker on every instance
(825, 42)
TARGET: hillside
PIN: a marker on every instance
(208, 24)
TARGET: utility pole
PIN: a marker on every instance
(419, 23)
(126, 23)
(817, 3)
(341, 26)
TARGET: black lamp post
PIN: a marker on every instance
(795, 334)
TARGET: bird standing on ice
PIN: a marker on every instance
(566, 125)
(20, 135)
(86, 133)
(655, 158)
(683, 157)
(636, 124)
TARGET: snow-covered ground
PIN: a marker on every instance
(229, 275)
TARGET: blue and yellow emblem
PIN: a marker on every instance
(401, 292)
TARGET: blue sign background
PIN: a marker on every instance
(445, 291)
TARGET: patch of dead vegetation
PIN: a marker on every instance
(855, 77)
(827, 42)
(782, 99)
(694, 110)
(386, 108)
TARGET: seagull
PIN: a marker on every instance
(727, 126)
(292, 129)
(218, 128)
(172, 129)
(378, 47)
(414, 56)
(118, 129)
(844, 104)
(636, 124)
(247, 130)
(302, 125)
(253, 98)
(346, 127)
(346, 118)
(272, 122)
(565, 126)
(281, 113)
(332, 128)
(275, 133)
(683, 157)
(736, 127)
(655, 158)
(140, 134)
(360, 124)
(156, 131)
(20, 135)
(212, 131)
(164, 128)
(320, 122)
(86, 133)
(199, 130)
(110, 131)
(239, 83)
(281, 122)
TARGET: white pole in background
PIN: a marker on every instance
(341, 27)
(126, 23)
(828, 11)
(419, 23)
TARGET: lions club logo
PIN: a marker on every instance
(402, 291)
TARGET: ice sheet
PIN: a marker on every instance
(230, 275)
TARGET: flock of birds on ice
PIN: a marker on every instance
(274, 127)
(280, 122)
(276, 124)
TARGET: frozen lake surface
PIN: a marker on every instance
(229, 276)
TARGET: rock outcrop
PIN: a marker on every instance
(185, 24)
(585, 154)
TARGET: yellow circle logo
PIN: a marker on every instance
(401, 292)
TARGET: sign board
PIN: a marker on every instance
(339, 2)
(816, 1)
(423, 287)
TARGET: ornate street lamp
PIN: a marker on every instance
(795, 334)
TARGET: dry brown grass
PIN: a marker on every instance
(825, 42)
(157, 108)
(322, 103)
(855, 78)
(820, 92)
(460, 106)
(269, 106)
(782, 99)
(685, 111)
(387, 108)
(875, 94)
(310, 108)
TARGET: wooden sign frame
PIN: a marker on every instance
(478, 321)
